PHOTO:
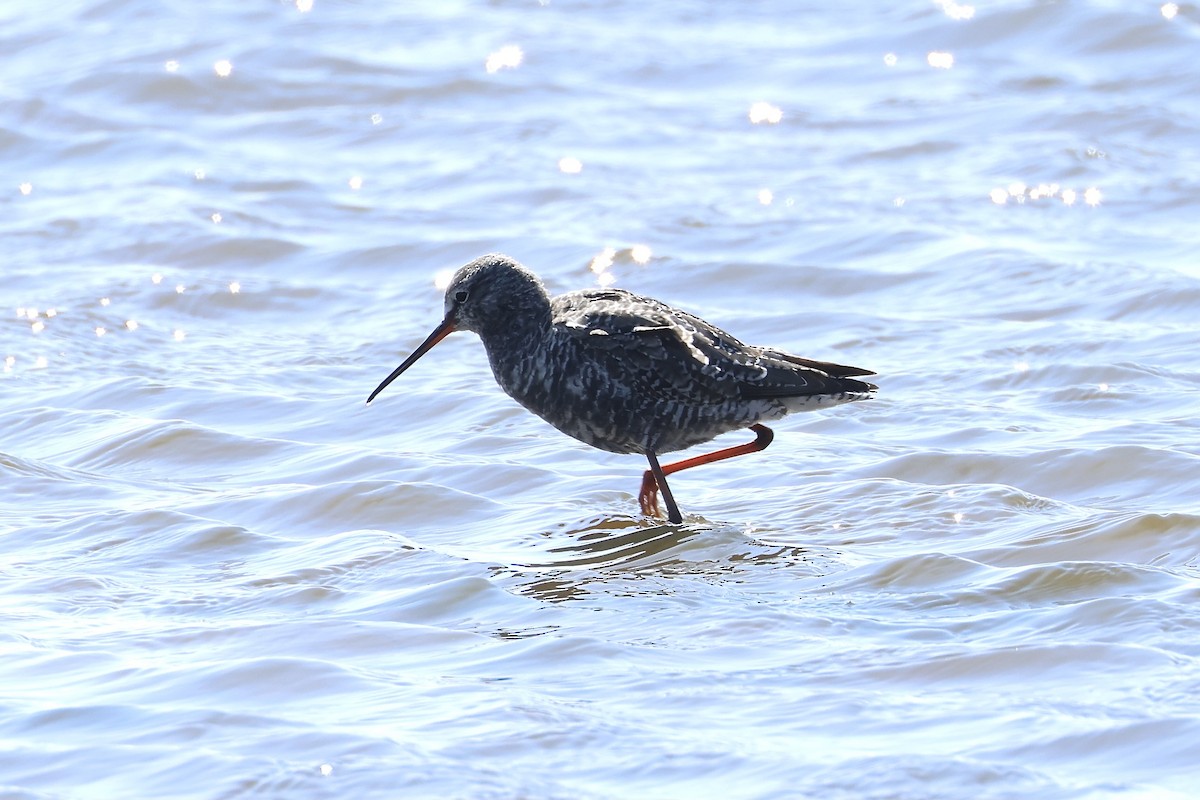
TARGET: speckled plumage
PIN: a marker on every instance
(626, 373)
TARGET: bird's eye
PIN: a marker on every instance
(461, 296)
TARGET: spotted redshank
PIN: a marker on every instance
(629, 374)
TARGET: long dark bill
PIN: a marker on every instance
(439, 333)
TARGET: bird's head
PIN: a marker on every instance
(484, 296)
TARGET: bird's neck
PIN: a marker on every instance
(513, 343)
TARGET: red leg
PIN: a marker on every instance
(651, 483)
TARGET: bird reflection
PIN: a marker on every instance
(606, 547)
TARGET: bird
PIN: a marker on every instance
(629, 374)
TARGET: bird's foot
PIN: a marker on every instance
(648, 496)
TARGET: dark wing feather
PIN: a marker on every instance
(828, 367)
(685, 351)
(793, 376)
(666, 352)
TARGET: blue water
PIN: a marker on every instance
(223, 575)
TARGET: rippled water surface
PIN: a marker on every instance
(223, 575)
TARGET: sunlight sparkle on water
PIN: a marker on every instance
(1043, 191)
(890, 60)
(955, 11)
(376, 119)
(355, 182)
(940, 60)
(40, 362)
(26, 188)
(100, 331)
(762, 112)
(131, 324)
(104, 301)
(304, 6)
(179, 335)
(180, 288)
(571, 166)
(510, 56)
(38, 326)
(603, 260)
(223, 68)
(326, 769)
(171, 66)
(235, 287)
(441, 279)
(199, 174)
(766, 196)
(1169, 10)
(600, 265)
(640, 253)
(156, 278)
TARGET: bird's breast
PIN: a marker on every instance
(622, 403)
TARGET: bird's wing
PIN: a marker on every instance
(828, 367)
(647, 338)
(684, 350)
(792, 376)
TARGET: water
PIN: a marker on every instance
(224, 575)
